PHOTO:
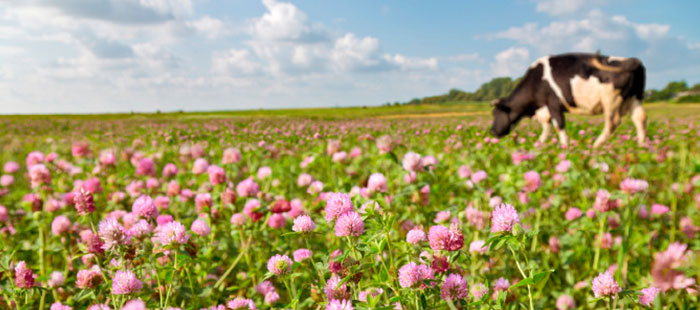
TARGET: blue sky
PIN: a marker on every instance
(82, 56)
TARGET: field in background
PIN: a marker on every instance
(457, 109)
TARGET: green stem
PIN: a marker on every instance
(220, 282)
(597, 242)
(189, 279)
(674, 203)
(290, 293)
(533, 246)
(321, 279)
(517, 263)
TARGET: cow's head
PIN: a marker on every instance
(501, 118)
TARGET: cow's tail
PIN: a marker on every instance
(629, 64)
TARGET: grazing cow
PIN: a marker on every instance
(579, 84)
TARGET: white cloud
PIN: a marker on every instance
(234, 61)
(612, 35)
(567, 7)
(351, 52)
(560, 7)
(6, 50)
(210, 27)
(285, 22)
(406, 63)
(511, 62)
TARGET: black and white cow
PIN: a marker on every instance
(579, 84)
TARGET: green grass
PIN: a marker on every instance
(455, 109)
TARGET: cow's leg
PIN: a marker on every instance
(542, 115)
(639, 119)
(558, 121)
(611, 112)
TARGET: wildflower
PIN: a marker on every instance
(604, 285)
(563, 166)
(39, 174)
(228, 197)
(217, 175)
(479, 290)
(134, 304)
(454, 287)
(172, 232)
(264, 172)
(84, 202)
(301, 254)
(60, 306)
(373, 292)
(89, 278)
(281, 206)
(664, 271)
(279, 265)
(659, 209)
(478, 246)
(140, 229)
(11, 167)
(475, 217)
(605, 240)
(237, 219)
(565, 302)
(412, 274)
(170, 170)
(247, 188)
(336, 205)
(277, 220)
(478, 176)
(240, 303)
(56, 279)
(339, 305)
(60, 225)
(412, 162)
(24, 277)
(442, 238)
(251, 208)
(554, 244)
(112, 233)
(377, 183)
(464, 171)
(200, 166)
(572, 214)
(428, 161)
(203, 200)
(125, 282)
(504, 218)
(631, 186)
(200, 228)
(335, 290)
(532, 181)
(349, 224)
(415, 236)
(385, 144)
(231, 156)
(647, 296)
(442, 216)
(144, 207)
(146, 166)
(303, 223)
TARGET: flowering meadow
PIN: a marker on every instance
(368, 213)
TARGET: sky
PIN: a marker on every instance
(91, 56)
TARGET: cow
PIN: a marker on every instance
(577, 83)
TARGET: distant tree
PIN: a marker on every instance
(695, 87)
(668, 92)
(689, 99)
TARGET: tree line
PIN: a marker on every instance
(676, 91)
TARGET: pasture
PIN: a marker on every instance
(410, 207)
